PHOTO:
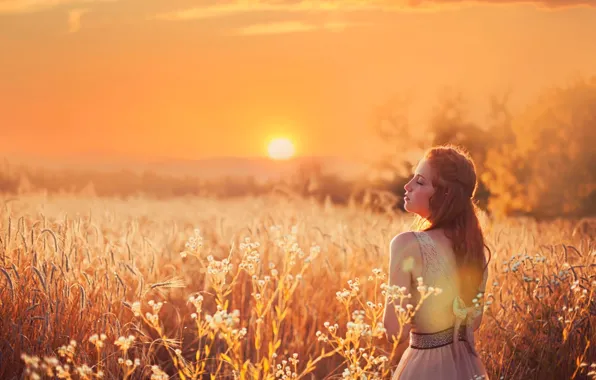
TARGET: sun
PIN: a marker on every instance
(281, 149)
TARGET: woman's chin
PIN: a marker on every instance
(407, 207)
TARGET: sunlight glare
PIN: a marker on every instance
(281, 149)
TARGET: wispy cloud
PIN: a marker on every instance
(31, 6)
(74, 19)
(235, 7)
(284, 27)
(239, 7)
(540, 3)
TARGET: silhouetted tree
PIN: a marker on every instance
(448, 124)
(548, 168)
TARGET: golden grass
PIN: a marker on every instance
(264, 288)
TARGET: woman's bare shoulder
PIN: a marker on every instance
(403, 240)
(404, 249)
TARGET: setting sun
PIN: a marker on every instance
(281, 149)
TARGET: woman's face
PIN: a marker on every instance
(419, 190)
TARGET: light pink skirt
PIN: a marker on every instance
(436, 356)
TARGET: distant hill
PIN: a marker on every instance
(261, 168)
(258, 167)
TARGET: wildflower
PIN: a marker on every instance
(158, 373)
(153, 319)
(97, 340)
(194, 244)
(136, 309)
(314, 251)
(197, 302)
(217, 271)
(222, 320)
(124, 343)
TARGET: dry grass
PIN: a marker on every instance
(99, 288)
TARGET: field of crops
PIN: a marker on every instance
(262, 288)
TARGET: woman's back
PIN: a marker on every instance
(438, 270)
(440, 345)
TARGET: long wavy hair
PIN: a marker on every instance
(452, 209)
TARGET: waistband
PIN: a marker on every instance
(425, 341)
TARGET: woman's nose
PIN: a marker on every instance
(406, 188)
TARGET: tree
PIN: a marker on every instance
(548, 168)
(405, 142)
(448, 124)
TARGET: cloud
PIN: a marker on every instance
(31, 6)
(239, 7)
(284, 27)
(74, 19)
(539, 3)
(235, 7)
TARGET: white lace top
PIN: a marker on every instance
(447, 309)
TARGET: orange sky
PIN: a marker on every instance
(170, 78)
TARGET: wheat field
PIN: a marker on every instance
(263, 288)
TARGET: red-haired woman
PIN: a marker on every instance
(445, 251)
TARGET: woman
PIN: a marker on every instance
(447, 251)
